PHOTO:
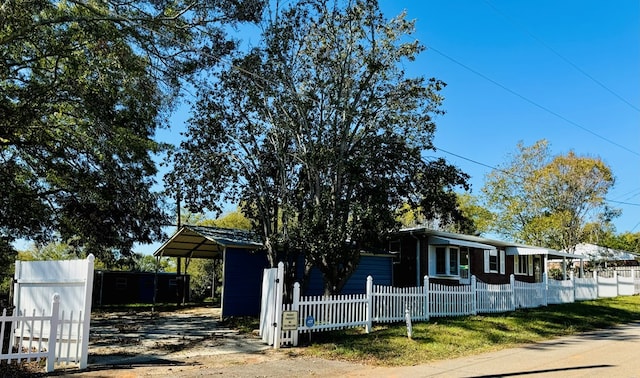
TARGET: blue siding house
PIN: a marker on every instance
(243, 262)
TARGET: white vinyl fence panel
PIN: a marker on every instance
(36, 282)
(626, 285)
(585, 288)
(608, 286)
(560, 291)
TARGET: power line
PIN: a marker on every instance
(515, 175)
(249, 73)
(562, 57)
(222, 59)
(531, 101)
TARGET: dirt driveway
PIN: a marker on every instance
(191, 343)
(187, 343)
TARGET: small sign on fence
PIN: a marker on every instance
(289, 320)
(309, 321)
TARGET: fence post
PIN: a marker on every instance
(474, 304)
(295, 306)
(369, 315)
(425, 291)
(595, 275)
(277, 322)
(615, 278)
(86, 322)
(53, 332)
(512, 282)
(545, 281)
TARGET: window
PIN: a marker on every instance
(441, 260)
(494, 261)
(453, 261)
(464, 263)
(523, 265)
(448, 261)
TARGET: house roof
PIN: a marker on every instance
(596, 252)
(206, 242)
(442, 237)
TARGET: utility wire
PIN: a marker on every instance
(532, 102)
(513, 174)
(562, 57)
(453, 60)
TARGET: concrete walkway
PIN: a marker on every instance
(606, 353)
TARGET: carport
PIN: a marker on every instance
(243, 260)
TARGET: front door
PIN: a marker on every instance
(537, 268)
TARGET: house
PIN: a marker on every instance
(244, 259)
(453, 258)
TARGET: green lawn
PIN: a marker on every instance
(443, 338)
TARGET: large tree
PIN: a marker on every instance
(548, 200)
(320, 133)
(84, 85)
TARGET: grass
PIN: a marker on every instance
(443, 338)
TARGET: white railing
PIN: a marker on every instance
(495, 298)
(390, 304)
(451, 300)
(332, 312)
(32, 337)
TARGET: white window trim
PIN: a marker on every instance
(447, 274)
(500, 255)
(528, 260)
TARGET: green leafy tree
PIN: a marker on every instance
(320, 133)
(84, 85)
(548, 200)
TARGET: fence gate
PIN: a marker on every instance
(36, 282)
(271, 305)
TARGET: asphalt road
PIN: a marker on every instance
(606, 353)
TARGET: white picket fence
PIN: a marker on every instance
(60, 335)
(42, 335)
(383, 304)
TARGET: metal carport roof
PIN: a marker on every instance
(206, 242)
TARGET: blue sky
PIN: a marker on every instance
(513, 73)
(516, 72)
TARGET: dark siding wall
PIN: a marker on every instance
(477, 269)
(378, 267)
(243, 271)
(404, 271)
(137, 287)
